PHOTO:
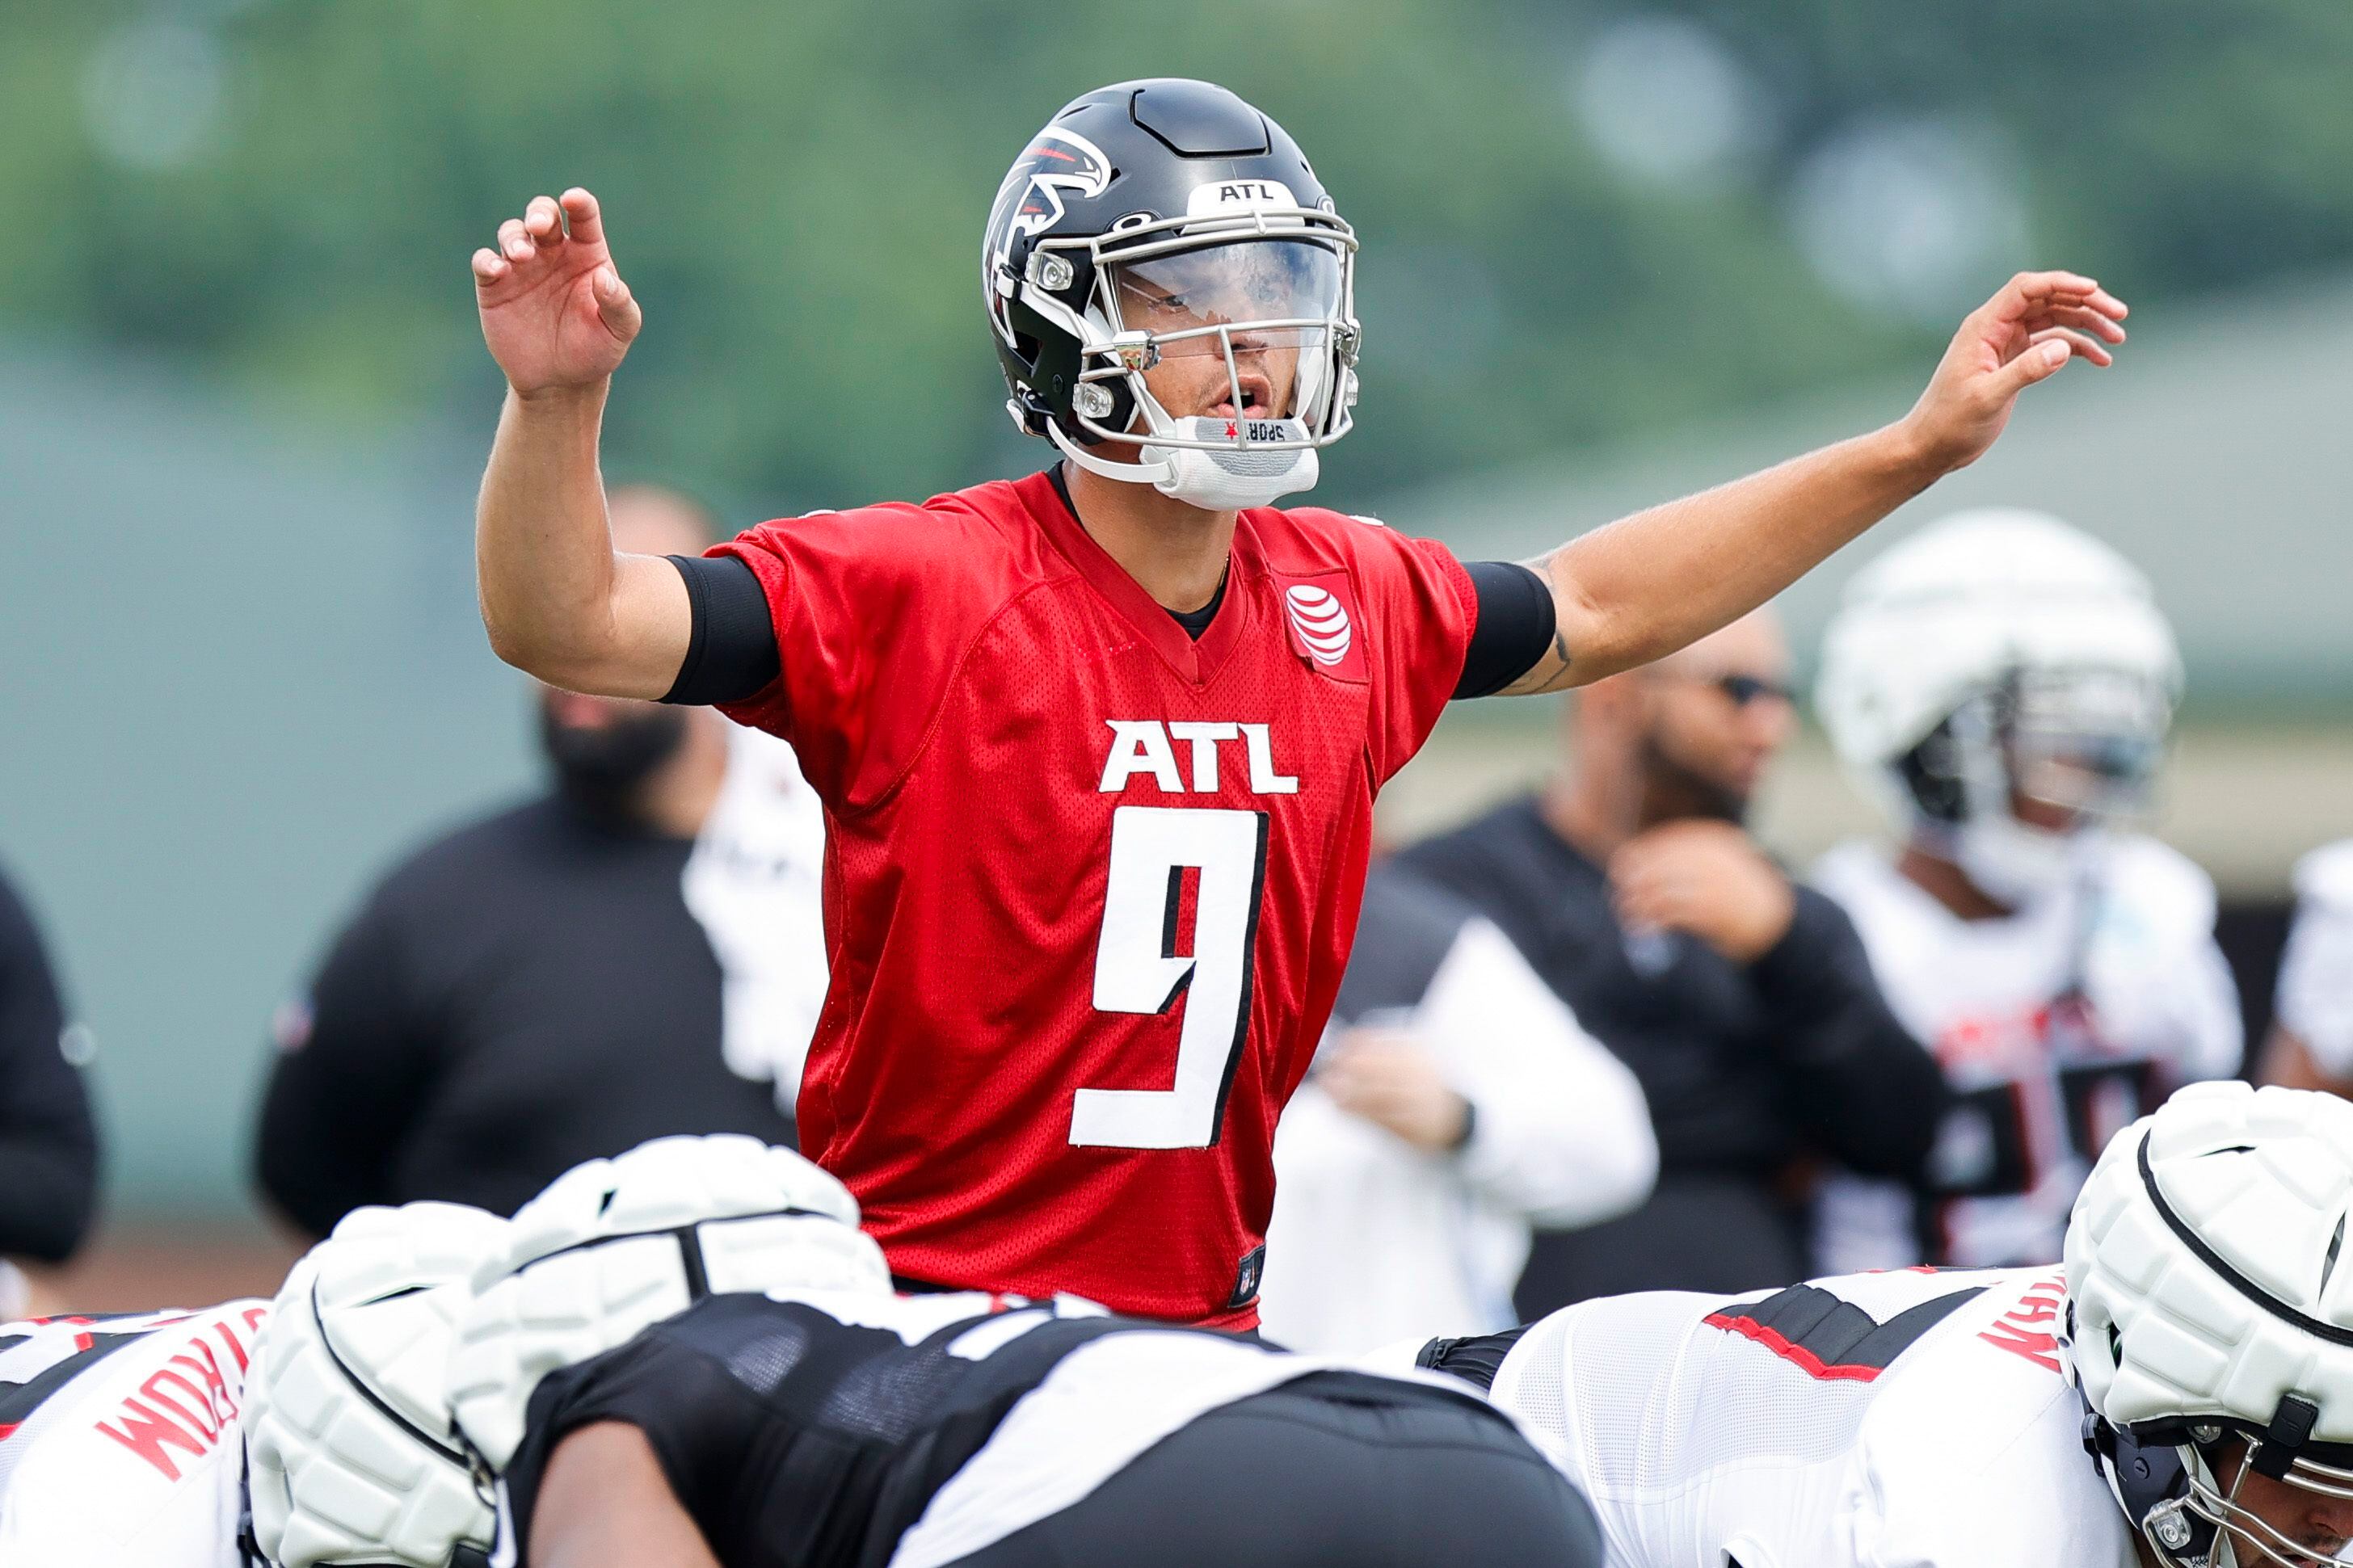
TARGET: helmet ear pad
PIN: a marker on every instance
(1052, 357)
(2149, 1478)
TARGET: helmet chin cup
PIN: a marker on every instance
(1247, 474)
(2012, 863)
(1215, 477)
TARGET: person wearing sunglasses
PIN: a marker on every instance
(2001, 683)
(1742, 1002)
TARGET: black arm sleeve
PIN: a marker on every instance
(1514, 630)
(1862, 1085)
(48, 1146)
(345, 1087)
(731, 652)
(704, 1427)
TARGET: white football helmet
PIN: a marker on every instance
(350, 1451)
(2209, 1300)
(616, 1245)
(1994, 653)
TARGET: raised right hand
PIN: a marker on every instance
(555, 311)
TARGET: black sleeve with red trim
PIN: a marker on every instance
(48, 1144)
(1860, 1083)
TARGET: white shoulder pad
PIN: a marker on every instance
(2163, 890)
(2325, 877)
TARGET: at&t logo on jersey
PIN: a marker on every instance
(1320, 615)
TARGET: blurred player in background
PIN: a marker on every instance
(1744, 1004)
(569, 977)
(1098, 748)
(1456, 1102)
(48, 1144)
(2003, 684)
(2179, 1395)
(2311, 1045)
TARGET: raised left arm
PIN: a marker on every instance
(1645, 585)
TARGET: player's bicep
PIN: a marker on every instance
(652, 623)
(606, 1502)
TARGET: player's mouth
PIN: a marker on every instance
(1258, 400)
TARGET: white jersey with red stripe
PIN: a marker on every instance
(120, 1440)
(1913, 1419)
(2056, 1026)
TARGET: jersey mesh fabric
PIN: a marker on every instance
(985, 704)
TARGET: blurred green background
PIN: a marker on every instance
(1609, 251)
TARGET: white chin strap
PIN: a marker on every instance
(1215, 479)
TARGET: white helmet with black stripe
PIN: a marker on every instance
(2210, 1324)
(616, 1245)
(351, 1455)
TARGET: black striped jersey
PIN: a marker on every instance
(850, 1431)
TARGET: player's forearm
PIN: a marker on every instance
(556, 599)
(604, 1502)
(1650, 583)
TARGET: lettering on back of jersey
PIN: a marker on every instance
(2030, 1329)
(183, 1407)
(1146, 749)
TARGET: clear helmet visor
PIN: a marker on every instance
(1255, 318)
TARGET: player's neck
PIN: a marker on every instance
(1176, 553)
(676, 798)
(1949, 886)
(1590, 816)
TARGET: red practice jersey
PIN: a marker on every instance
(1090, 884)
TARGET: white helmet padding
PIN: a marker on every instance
(616, 1245)
(351, 1455)
(2210, 1295)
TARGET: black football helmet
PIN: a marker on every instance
(1168, 217)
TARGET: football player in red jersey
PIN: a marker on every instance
(1098, 748)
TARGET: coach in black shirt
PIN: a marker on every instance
(1743, 1002)
(531, 991)
(48, 1148)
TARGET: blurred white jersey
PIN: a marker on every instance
(755, 882)
(1904, 1420)
(2056, 1026)
(2315, 1002)
(120, 1440)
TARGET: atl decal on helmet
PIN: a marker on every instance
(1321, 621)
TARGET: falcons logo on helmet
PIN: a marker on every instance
(1031, 201)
